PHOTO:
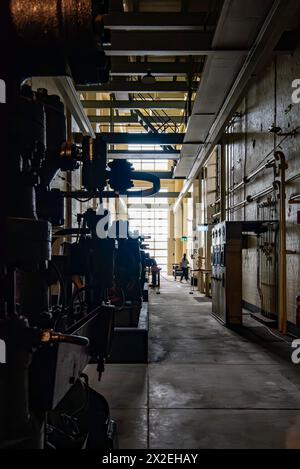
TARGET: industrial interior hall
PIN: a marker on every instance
(150, 224)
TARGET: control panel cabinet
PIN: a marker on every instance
(226, 259)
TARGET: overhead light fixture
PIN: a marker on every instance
(148, 79)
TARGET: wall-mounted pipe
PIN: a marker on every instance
(215, 203)
(282, 280)
(223, 181)
(249, 200)
(293, 178)
(238, 205)
(259, 195)
(295, 199)
(236, 187)
(253, 198)
(269, 164)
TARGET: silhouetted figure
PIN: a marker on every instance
(185, 268)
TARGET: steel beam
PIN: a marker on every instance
(135, 104)
(143, 155)
(164, 43)
(66, 88)
(111, 195)
(280, 15)
(121, 67)
(162, 175)
(121, 138)
(158, 21)
(116, 86)
(133, 119)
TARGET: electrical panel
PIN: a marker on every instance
(227, 272)
(228, 242)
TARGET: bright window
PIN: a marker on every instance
(152, 220)
(145, 164)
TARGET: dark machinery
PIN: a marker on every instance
(127, 293)
(56, 313)
(47, 345)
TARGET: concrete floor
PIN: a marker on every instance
(205, 386)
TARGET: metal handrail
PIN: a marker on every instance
(164, 123)
(156, 114)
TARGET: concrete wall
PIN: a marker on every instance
(268, 102)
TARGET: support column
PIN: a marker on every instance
(171, 243)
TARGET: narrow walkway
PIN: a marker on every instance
(205, 386)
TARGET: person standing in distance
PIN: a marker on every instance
(185, 268)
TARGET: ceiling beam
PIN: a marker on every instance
(279, 15)
(143, 155)
(157, 21)
(135, 104)
(111, 195)
(161, 174)
(120, 138)
(163, 43)
(121, 67)
(134, 119)
(66, 88)
(118, 86)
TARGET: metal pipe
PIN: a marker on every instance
(215, 203)
(282, 322)
(295, 199)
(240, 204)
(259, 195)
(265, 191)
(269, 164)
(293, 178)
(258, 275)
(249, 200)
(235, 188)
(223, 181)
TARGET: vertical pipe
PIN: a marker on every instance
(223, 180)
(246, 154)
(282, 323)
(227, 180)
